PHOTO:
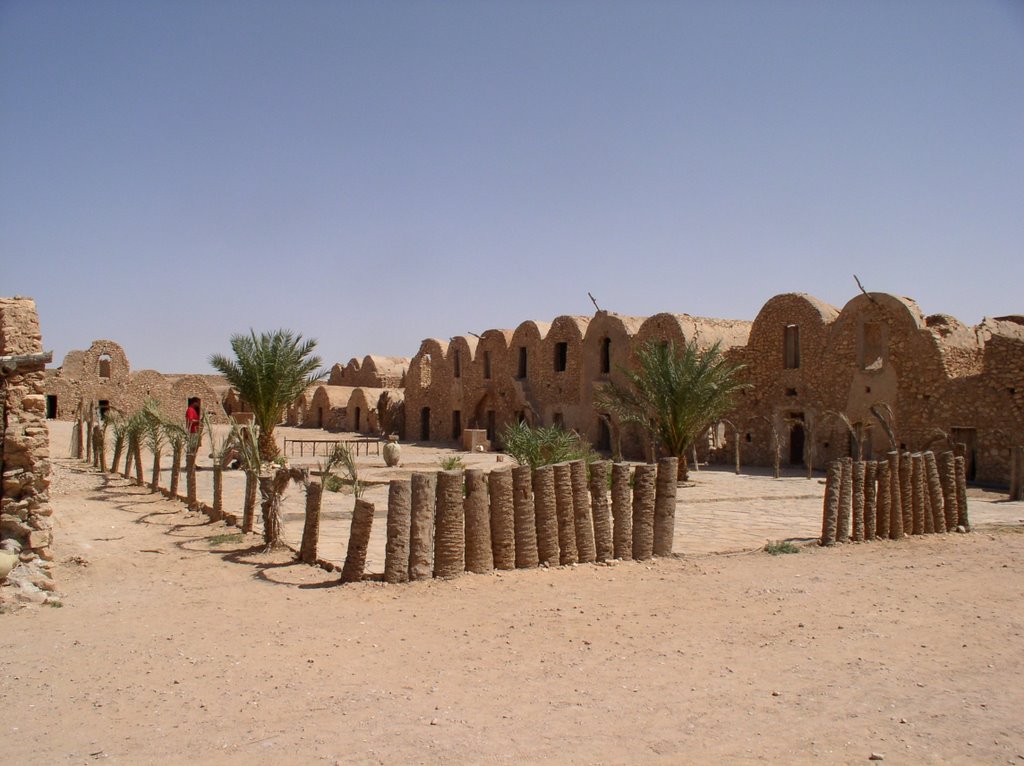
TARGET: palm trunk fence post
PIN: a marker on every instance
(311, 526)
(249, 504)
(76, 440)
(1016, 473)
(154, 474)
(129, 453)
(907, 492)
(139, 478)
(116, 457)
(564, 512)
(99, 459)
(586, 550)
(870, 498)
(503, 519)
(882, 511)
(449, 531)
(830, 507)
(665, 506)
(931, 472)
(845, 499)
(644, 492)
(859, 474)
(358, 541)
(479, 557)
(776, 468)
(947, 475)
(917, 493)
(218, 491)
(176, 451)
(396, 552)
(622, 512)
(421, 527)
(270, 502)
(547, 515)
(895, 497)
(525, 517)
(962, 519)
(601, 510)
(192, 499)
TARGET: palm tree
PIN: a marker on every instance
(674, 395)
(269, 371)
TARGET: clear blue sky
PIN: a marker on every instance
(374, 173)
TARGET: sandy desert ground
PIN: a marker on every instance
(175, 644)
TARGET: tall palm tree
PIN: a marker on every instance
(269, 371)
(674, 395)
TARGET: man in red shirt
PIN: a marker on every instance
(192, 416)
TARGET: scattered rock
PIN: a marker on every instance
(876, 757)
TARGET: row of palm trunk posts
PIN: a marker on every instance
(905, 494)
(449, 522)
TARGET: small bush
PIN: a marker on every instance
(545, 445)
(226, 539)
(776, 547)
(333, 483)
(452, 463)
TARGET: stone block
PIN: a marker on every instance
(40, 538)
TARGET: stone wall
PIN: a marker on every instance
(101, 377)
(372, 371)
(822, 380)
(25, 526)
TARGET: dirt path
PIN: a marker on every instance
(170, 650)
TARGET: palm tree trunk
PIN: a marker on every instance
(870, 499)
(503, 521)
(268, 445)
(396, 553)
(192, 501)
(359, 539)
(249, 505)
(934, 492)
(480, 558)
(586, 551)
(311, 527)
(882, 511)
(271, 511)
(524, 517)
(601, 511)
(450, 531)
(665, 506)
(546, 514)
(218, 488)
(564, 511)
(622, 519)
(644, 492)
(421, 527)
(139, 478)
(118, 449)
(859, 472)
(175, 468)
(155, 473)
(895, 497)
(830, 510)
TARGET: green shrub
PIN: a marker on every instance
(775, 547)
(452, 463)
(545, 445)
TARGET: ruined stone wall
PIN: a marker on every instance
(428, 393)
(102, 374)
(25, 525)
(373, 371)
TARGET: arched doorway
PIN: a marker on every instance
(797, 436)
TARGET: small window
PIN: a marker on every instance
(790, 392)
(104, 367)
(606, 355)
(791, 347)
(561, 356)
(556, 419)
(521, 370)
(457, 364)
(487, 365)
